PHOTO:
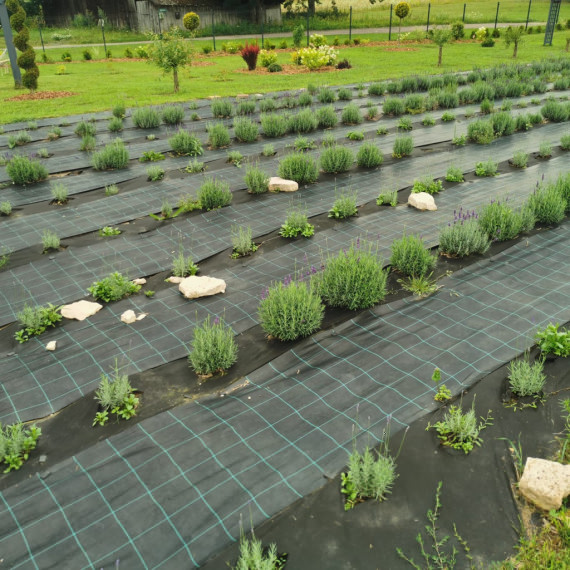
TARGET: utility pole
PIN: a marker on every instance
(5, 22)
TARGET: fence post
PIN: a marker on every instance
(262, 38)
(308, 22)
(213, 31)
(41, 36)
(350, 25)
(429, 10)
(464, 6)
(528, 14)
(497, 14)
(390, 32)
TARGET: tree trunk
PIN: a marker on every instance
(311, 7)
(516, 49)
(175, 76)
(439, 56)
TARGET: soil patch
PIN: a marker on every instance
(39, 95)
(288, 69)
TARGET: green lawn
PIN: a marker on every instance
(99, 85)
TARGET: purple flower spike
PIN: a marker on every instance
(217, 321)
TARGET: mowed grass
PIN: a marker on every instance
(99, 85)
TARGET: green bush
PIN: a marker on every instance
(183, 266)
(487, 168)
(115, 395)
(35, 320)
(326, 95)
(351, 115)
(344, 94)
(454, 174)
(503, 123)
(50, 241)
(17, 440)
(427, 184)
(501, 223)
(305, 99)
(428, 121)
(85, 128)
(353, 279)
(290, 310)
(481, 131)
(336, 159)
(410, 256)
(405, 124)
(550, 340)
(376, 89)
(545, 150)
(218, 135)
(252, 554)
(245, 130)
(447, 117)
(548, 205)
(487, 107)
(115, 125)
(520, 159)
(146, 118)
(414, 104)
(463, 237)
(114, 155)
(221, 109)
(113, 287)
(213, 348)
(555, 112)
(23, 170)
(565, 142)
(303, 122)
(299, 167)
(88, 143)
(403, 146)
(256, 180)
(214, 193)
(173, 115)
(369, 156)
(245, 108)
(326, 117)
(387, 199)
(119, 111)
(355, 136)
(526, 379)
(242, 242)
(344, 206)
(296, 223)
(155, 173)
(274, 125)
(267, 105)
(393, 106)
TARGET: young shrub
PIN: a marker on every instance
(113, 287)
(336, 159)
(54, 133)
(535, 119)
(115, 125)
(344, 94)
(303, 122)
(183, 266)
(550, 340)
(235, 157)
(119, 111)
(108, 231)
(344, 206)
(85, 128)
(405, 124)
(326, 117)
(351, 115)
(88, 143)
(448, 117)
(245, 108)
(454, 174)
(387, 199)
(526, 379)
(326, 95)
(113, 156)
(503, 124)
(245, 130)
(522, 123)
(115, 395)
(290, 310)
(256, 180)
(353, 279)
(111, 190)
(393, 106)
(59, 193)
(155, 173)
(5, 208)
(555, 112)
(481, 132)
(545, 150)
(548, 205)
(463, 237)
(305, 99)
(222, 109)
(267, 105)
(410, 256)
(252, 554)
(369, 156)
(520, 159)
(303, 143)
(173, 115)
(218, 135)
(427, 184)
(151, 156)
(376, 89)
(487, 107)
(355, 136)
(268, 150)
(184, 143)
(299, 167)
(501, 223)
(249, 54)
(35, 320)
(23, 170)
(487, 168)
(195, 166)
(403, 146)
(428, 121)
(17, 440)
(298, 34)
(381, 131)
(214, 193)
(372, 112)
(274, 125)
(146, 118)
(414, 104)
(242, 242)
(213, 348)
(565, 142)
(447, 100)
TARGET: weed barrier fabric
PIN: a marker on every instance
(169, 492)
(36, 382)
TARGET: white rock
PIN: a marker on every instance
(545, 483)
(210, 97)
(80, 310)
(242, 96)
(51, 345)
(128, 317)
(282, 185)
(175, 279)
(141, 316)
(422, 201)
(139, 281)
(195, 286)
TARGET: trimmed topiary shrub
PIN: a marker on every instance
(27, 59)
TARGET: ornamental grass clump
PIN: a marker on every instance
(427, 184)
(184, 143)
(344, 206)
(303, 122)
(23, 170)
(173, 115)
(213, 349)
(354, 278)
(218, 135)
(326, 117)
(222, 109)
(501, 223)
(481, 131)
(296, 223)
(336, 159)
(245, 130)
(290, 310)
(526, 379)
(351, 115)
(249, 54)
(299, 167)
(115, 395)
(113, 287)
(464, 236)
(146, 118)
(410, 256)
(393, 106)
(256, 180)
(369, 156)
(274, 125)
(35, 320)
(548, 205)
(112, 156)
(214, 193)
(403, 146)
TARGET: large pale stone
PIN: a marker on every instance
(80, 310)
(128, 317)
(277, 184)
(51, 345)
(545, 483)
(201, 286)
(422, 201)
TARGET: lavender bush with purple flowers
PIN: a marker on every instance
(501, 223)
(463, 236)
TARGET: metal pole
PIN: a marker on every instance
(528, 14)
(213, 32)
(429, 10)
(103, 32)
(308, 22)
(350, 26)
(464, 6)
(497, 14)
(41, 36)
(5, 22)
(390, 32)
(262, 38)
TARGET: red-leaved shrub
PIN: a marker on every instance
(249, 54)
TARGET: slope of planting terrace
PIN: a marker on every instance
(169, 488)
